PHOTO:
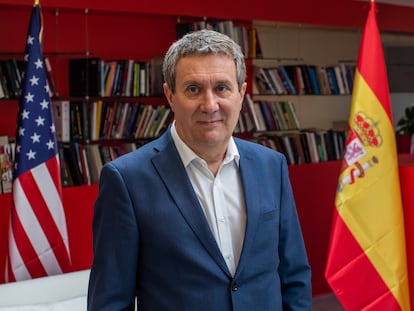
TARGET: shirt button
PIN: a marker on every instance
(222, 219)
(234, 287)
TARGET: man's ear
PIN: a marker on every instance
(243, 89)
(168, 94)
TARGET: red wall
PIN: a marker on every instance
(314, 189)
(348, 13)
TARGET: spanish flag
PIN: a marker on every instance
(366, 265)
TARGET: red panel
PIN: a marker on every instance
(314, 188)
(8, 117)
(344, 13)
(406, 179)
(79, 203)
(5, 202)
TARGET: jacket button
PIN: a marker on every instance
(234, 287)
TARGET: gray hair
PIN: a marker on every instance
(203, 42)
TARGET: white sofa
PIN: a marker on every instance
(63, 292)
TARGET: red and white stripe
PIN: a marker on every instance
(38, 239)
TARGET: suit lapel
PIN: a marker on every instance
(169, 166)
(250, 180)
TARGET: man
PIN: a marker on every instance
(197, 219)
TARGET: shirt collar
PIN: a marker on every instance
(187, 155)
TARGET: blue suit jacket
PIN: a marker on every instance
(151, 238)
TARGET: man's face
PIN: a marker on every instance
(207, 101)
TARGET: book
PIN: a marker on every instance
(142, 120)
(95, 162)
(110, 69)
(11, 80)
(260, 117)
(111, 108)
(84, 162)
(314, 79)
(128, 86)
(120, 127)
(339, 80)
(65, 176)
(262, 82)
(116, 120)
(6, 168)
(61, 118)
(86, 112)
(313, 148)
(278, 115)
(3, 91)
(143, 78)
(149, 121)
(152, 126)
(156, 76)
(323, 80)
(277, 81)
(290, 107)
(76, 127)
(116, 86)
(305, 147)
(8, 93)
(72, 163)
(164, 121)
(268, 116)
(251, 111)
(131, 119)
(287, 82)
(333, 83)
(85, 75)
(300, 81)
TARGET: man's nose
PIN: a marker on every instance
(210, 102)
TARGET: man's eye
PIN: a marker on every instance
(221, 88)
(193, 89)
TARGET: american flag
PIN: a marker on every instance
(38, 239)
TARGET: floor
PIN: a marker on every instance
(327, 302)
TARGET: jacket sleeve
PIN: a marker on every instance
(294, 269)
(115, 246)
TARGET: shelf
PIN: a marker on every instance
(68, 53)
(150, 100)
(278, 96)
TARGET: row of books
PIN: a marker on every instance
(6, 164)
(81, 164)
(102, 120)
(11, 73)
(95, 77)
(262, 115)
(306, 145)
(304, 79)
(246, 37)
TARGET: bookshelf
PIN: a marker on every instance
(113, 30)
(285, 44)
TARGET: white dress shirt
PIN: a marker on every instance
(221, 197)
